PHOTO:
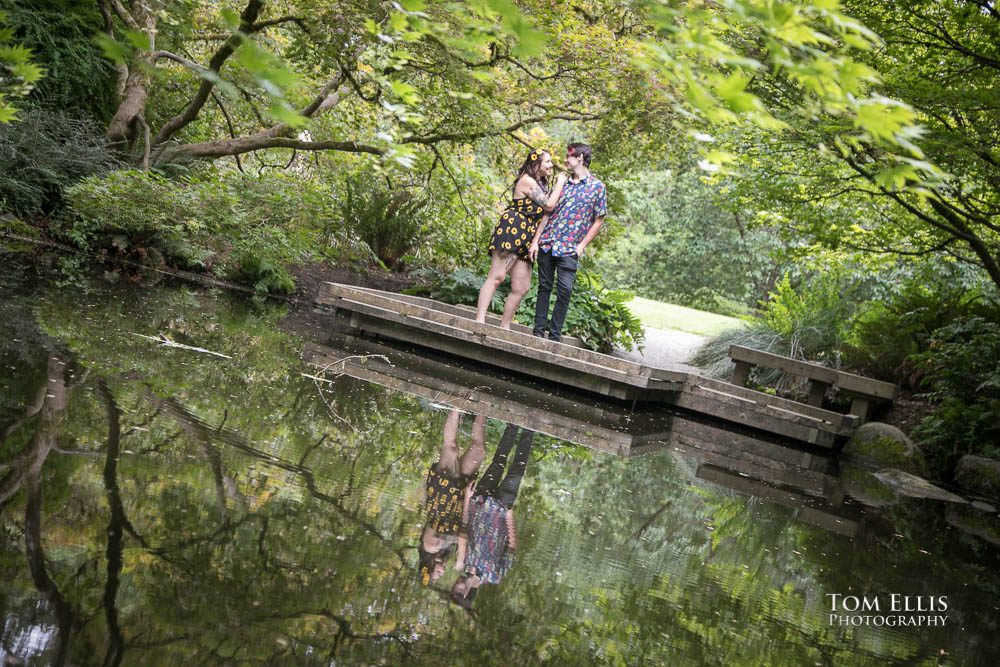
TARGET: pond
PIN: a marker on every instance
(178, 486)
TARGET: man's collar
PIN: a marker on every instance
(589, 175)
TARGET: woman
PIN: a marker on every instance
(515, 231)
(446, 484)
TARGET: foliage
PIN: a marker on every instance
(44, 153)
(681, 246)
(962, 374)
(18, 71)
(60, 34)
(247, 229)
(599, 317)
(390, 221)
(886, 334)
(849, 197)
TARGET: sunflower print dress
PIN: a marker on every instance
(516, 228)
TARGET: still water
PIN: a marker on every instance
(178, 486)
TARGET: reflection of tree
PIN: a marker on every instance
(48, 411)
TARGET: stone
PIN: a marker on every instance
(879, 446)
(862, 485)
(979, 475)
(913, 486)
(983, 525)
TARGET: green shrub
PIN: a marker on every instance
(390, 222)
(597, 316)
(813, 318)
(962, 375)
(42, 154)
(885, 335)
(246, 229)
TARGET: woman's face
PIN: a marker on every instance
(545, 168)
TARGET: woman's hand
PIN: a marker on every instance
(562, 178)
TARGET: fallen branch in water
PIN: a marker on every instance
(166, 342)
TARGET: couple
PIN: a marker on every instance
(553, 226)
(474, 519)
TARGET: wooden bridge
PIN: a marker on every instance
(452, 330)
(797, 476)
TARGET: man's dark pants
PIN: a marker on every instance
(561, 271)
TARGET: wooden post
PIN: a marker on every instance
(817, 390)
(859, 407)
(742, 373)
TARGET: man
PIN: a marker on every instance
(559, 244)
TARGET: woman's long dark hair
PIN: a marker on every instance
(532, 166)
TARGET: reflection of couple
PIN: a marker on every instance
(553, 227)
(476, 518)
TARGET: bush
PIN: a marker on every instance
(245, 229)
(962, 375)
(391, 223)
(885, 335)
(44, 153)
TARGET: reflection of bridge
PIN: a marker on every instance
(788, 474)
(451, 329)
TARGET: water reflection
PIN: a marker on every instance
(486, 551)
(161, 506)
(449, 482)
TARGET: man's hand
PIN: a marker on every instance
(579, 249)
(533, 251)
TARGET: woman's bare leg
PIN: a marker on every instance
(495, 278)
(520, 282)
(476, 453)
(448, 458)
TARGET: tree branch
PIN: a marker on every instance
(247, 19)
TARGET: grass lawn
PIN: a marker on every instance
(659, 315)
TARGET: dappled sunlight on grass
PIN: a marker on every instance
(659, 315)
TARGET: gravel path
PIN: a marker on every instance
(665, 347)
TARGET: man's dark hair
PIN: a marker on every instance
(583, 150)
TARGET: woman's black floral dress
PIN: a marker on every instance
(516, 228)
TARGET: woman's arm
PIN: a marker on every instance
(533, 248)
(529, 187)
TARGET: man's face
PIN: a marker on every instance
(572, 160)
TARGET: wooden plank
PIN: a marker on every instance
(845, 381)
(502, 345)
(581, 407)
(462, 347)
(467, 312)
(809, 482)
(860, 407)
(754, 415)
(487, 330)
(332, 291)
(845, 423)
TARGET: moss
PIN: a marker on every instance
(864, 487)
(979, 475)
(883, 446)
(980, 524)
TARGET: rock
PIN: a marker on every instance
(906, 484)
(982, 525)
(979, 475)
(864, 487)
(879, 446)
